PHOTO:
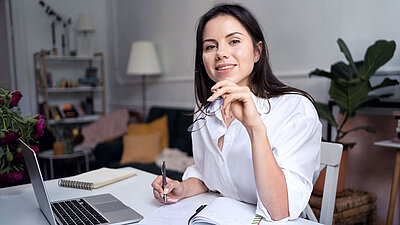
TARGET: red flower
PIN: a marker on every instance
(12, 176)
(39, 127)
(35, 148)
(16, 96)
(18, 156)
(9, 137)
(1, 101)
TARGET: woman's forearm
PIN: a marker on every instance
(269, 177)
(193, 186)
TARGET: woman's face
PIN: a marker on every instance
(228, 52)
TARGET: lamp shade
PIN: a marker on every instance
(143, 59)
(84, 23)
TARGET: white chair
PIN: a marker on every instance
(331, 154)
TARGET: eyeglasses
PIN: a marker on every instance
(200, 120)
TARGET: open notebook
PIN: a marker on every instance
(219, 211)
(96, 178)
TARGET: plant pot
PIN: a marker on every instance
(319, 185)
(58, 148)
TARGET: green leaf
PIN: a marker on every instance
(2, 163)
(368, 101)
(343, 48)
(321, 73)
(2, 152)
(366, 128)
(9, 156)
(386, 82)
(342, 70)
(376, 56)
(348, 146)
(349, 97)
(326, 114)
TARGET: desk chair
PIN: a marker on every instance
(331, 154)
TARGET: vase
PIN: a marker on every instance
(340, 191)
(58, 148)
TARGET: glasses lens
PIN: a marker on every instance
(197, 125)
(217, 105)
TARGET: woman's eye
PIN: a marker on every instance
(235, 41)
(209, 47)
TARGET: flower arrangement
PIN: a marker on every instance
(13, 126)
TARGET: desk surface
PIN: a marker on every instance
(18, 204)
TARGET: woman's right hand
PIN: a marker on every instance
(173, 190)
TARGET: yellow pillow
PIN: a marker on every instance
(158, 125)
(141, 148)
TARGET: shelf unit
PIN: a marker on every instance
(45, 94)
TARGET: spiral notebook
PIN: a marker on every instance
(96, 178)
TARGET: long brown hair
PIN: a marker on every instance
(263, 82)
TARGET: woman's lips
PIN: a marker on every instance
(225, 68)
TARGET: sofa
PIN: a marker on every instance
(108, 154)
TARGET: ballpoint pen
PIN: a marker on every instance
(164, 178)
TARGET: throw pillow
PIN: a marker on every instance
(158, 125)
(141, 148)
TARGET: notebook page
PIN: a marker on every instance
(226, 211)
(102, 176)
(174, 214)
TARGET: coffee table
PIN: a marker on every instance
(77, 154)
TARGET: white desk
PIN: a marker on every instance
(18, 204)
(395, 179)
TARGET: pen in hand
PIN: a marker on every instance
(164, 178)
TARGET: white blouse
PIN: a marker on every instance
(294, 133)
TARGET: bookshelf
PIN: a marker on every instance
(73, 82)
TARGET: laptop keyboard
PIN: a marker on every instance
(77, 212)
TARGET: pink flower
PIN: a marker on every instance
(9, 137)
(18, 156)
(16, 96)
(35, 148)
(39, 127)
(12, 176)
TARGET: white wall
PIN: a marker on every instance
(5, 80)
(32, 33)
(301, 36)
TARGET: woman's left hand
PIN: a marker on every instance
(237, 102)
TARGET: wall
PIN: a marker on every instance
(5, 80)
(301, 36)
(32, 33)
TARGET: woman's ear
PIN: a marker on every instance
(257, 52)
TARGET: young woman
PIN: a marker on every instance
(255, 139)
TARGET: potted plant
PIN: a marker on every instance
(14, 126)
(349, 89)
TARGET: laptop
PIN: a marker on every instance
(95, 209)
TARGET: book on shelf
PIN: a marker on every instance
(96, 178)
(79, 109)
(69, 111)
(54, 112)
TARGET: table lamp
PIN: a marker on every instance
(143, 61)
(85, 27)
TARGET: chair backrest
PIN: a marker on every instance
(331, 154)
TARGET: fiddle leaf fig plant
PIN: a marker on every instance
(350, 85)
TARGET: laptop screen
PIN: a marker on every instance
(37, 182)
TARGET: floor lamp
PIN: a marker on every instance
(143, 61)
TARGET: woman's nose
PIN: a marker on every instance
(222, 53)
